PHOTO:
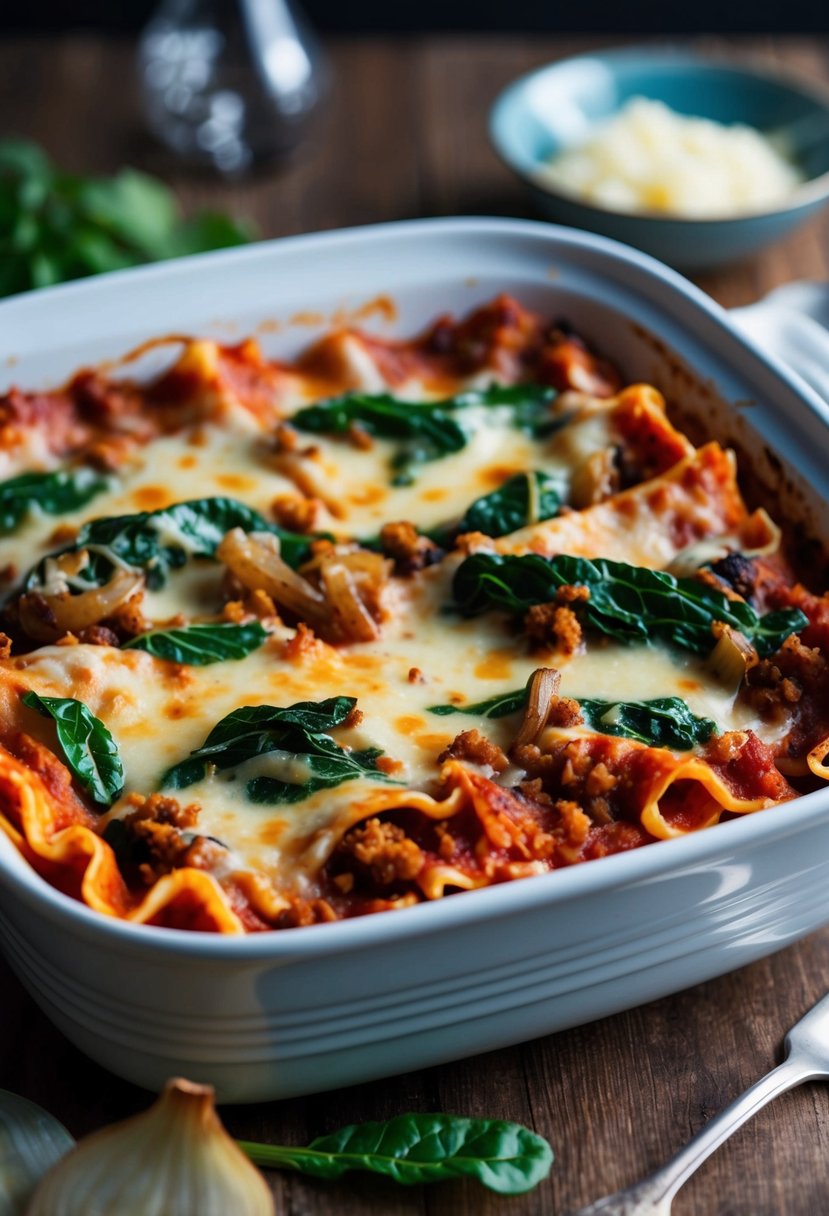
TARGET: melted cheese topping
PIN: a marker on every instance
(236, 460)
(425, 656)
(159, 712)
(355, 485)
(231, 461)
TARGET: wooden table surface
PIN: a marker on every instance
(406, 137)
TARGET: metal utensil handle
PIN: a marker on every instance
(667, 1180)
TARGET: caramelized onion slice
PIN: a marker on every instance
(47, 616)
(254, 558)
(365, 562)
(351, 620)
(542, 688)
(307, 476)
(732, 656)
(337, 593)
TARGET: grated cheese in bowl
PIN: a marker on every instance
(649, 158)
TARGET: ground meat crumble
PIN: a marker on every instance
(157, 837)
(385, 850)
(406, 547)
(554, 625)
(476, 748)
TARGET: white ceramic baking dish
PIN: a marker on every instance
(285, 1013)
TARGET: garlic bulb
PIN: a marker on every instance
(175, 1159)
(31, 1141)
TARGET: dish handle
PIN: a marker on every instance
(792, 322)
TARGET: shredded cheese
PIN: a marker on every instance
(649, 158)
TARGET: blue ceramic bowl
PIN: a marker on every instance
(557, 106)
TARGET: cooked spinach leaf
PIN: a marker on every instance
(55, 493)
(427, 430)
(412, 1149)
(494, 707)
(308, 760)
(662, 722)
(629, 603)
(526, 498)
(89, 749)
(199, 645)
(161, 541)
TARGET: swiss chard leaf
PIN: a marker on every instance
(200, 645)
(308, 758)
(412, 1149)
(629, 603)
(55, 492)
(89, 749)
(427, 430)
(662, 722)
(161, 541)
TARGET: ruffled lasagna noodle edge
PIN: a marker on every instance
(693, 494)
(76, 860)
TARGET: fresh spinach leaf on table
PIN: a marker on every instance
(417, 1148)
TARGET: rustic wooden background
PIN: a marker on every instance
(406, 137)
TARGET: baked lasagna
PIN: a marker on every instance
(286, 643)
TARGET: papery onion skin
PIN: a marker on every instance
(31, 1141)
(175, 1159)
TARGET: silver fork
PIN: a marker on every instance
(807, 1059)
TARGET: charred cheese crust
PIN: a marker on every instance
(451, 808)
